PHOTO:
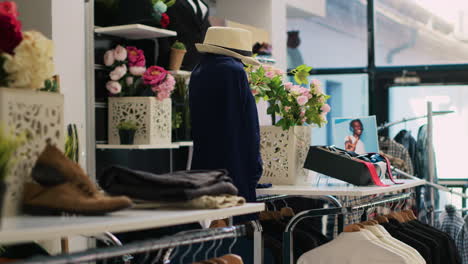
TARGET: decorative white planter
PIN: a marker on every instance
(39, 115)
(152, 116)
(284, 153)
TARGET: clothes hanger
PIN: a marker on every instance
(410, 214)
(286, 211)
(170, 254)
(182, 257)
(214, 259)
(194, 257)
(232, 258)
(207, 261)
(352, 228)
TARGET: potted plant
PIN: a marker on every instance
(285, 144)
(8, 146)
(178, 51)
(138, 94)
(27, 103)
(181, 110)
(127, 131)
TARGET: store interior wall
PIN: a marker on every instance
(63, 22)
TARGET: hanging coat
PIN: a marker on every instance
(225, 128)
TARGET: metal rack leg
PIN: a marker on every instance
(258, 243)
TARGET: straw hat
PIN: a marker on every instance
(228, 41)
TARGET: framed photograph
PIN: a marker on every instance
(357, 134)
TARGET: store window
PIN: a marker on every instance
(421, 32)
(338, 39)
(450, 131)
(349, 98)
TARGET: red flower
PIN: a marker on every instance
(164, 20)
(8, 8)
(154, 75)
(10, 30)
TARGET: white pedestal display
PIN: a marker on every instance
(284, 153)
(38, 116)
(153, 118)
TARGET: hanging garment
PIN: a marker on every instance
(189, 18)
(172, 187)
(392, 148)
(405, 138)
(454, 225)
(225, 127)
(352, 247)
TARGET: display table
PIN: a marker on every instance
(31, 228)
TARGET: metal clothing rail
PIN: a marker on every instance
(179, 239)
(404, 120)
(337, 210)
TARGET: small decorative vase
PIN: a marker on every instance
(176, 59)
(126, 136)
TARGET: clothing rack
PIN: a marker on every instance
(337, 210)
(179, 239)
(404, 120)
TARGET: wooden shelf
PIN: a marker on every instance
(135, 31)
(339, 189)
(161, 146)
(31, 228)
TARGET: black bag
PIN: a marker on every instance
(347, 166)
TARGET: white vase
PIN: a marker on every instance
(153, 118)
(39, 116)
(284, 154)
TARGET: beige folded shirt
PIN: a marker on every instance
(203, 202)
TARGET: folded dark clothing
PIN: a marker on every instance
(170, 187)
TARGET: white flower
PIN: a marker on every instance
(118, 72)
(109, 58)
(32, 62)
(113, 87)
(120, 53)
(137, 71)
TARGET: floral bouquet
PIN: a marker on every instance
(296, 105)
(159, 11)
(26, 58)
(129, 75)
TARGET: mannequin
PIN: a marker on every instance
(189, 18)
(225, 127)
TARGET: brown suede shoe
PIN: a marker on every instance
(53, 167)
(68, 198)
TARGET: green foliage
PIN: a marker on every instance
(178, 45)
(71, 143)
(9, 143)
(50, 85)
(301, 73)
(177, 119)
(168, 3)
(3, 73)
(127, 125)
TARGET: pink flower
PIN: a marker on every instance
(296, 89)
(163, 95)
(279, 72)
(129, 80)
(266, 67)
(118, 72)
(304, 120)
(109, 58)
(302, 100)
(270, 74)
(10, 32)
(164, 20)
(288, 86)
(304, 91)
(120, 53)
(325, 108)
(154, 75)
(113, 87)
(287, 109)
(317, 85)
(167, 85)
(302, 114)
(8, 8)
(137, 70)
(254, 92)
(136, 57)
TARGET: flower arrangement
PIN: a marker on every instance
(26, 58)
(128, 74)
(159, 11)
(296, 105)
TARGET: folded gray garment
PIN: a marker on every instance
(203, 202)
(171, 187)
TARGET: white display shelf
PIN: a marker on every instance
(33, 228)
(185, 143)
(181, 73)
(136, 31)
(339, 189)
(161, 146)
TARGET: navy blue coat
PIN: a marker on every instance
(225, 127)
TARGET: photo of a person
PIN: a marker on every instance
(353, 142)
(357, 134)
